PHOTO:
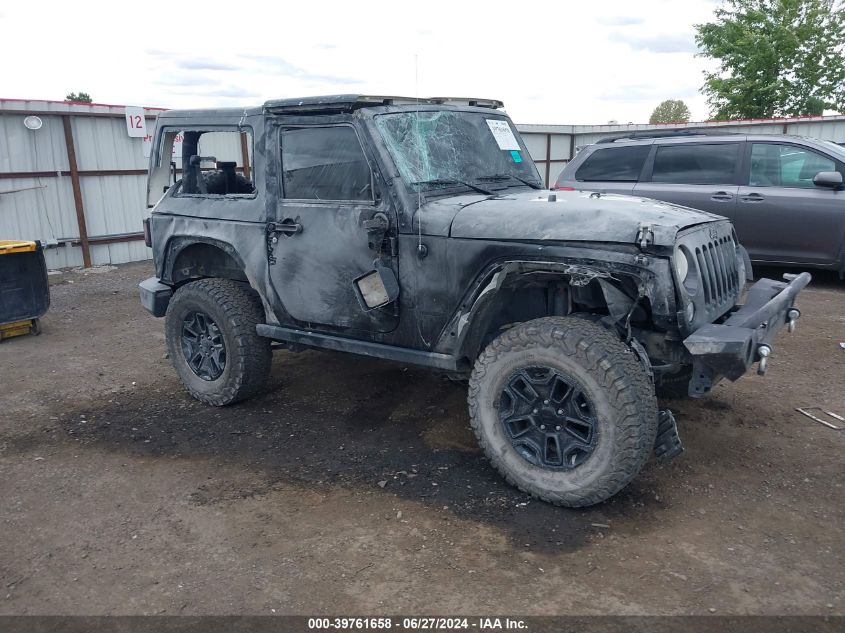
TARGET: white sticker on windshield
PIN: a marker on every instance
(503, 134)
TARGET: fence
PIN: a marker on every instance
(78, 182)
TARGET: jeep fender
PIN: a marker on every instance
(193, 257)
(621, 288)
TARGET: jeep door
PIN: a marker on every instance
(703, 176)
(782, 216)
(318, 245)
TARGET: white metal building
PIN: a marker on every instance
(77, 178)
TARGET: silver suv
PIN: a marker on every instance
(784, 194)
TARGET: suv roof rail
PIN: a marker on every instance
(645, 135)
(353, 101)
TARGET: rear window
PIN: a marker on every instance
(617, 164)
(696, 164)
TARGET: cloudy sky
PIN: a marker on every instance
(563, 62)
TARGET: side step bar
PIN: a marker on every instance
(432, 360)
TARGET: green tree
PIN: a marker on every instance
(815, 106)
(776, 58)
(80, 97)
(670, 111)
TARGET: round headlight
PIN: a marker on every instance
(689, 312)
(682, 265)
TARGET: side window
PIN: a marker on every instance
(696, 164)
(215, 162)
(324, 163)
(775, 165)
(622, 164)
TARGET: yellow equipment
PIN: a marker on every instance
(24, 289)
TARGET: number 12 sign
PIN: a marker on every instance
(136, 122)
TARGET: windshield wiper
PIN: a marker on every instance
(451, 181)
(533, 185)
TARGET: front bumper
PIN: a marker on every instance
(155, 296)
(728, 349)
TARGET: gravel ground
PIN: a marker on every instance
(354, 486)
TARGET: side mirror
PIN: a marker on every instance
(829, 179)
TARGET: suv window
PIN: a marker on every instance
(618, 164)
(214, 162)
(324, 163)
(775, 165)
(696, 163)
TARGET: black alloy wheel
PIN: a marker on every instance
(548, 418)
(203, 346)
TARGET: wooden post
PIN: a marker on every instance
(245, 154)
(77, 192)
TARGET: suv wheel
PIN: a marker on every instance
(210, 330)
(563, 409)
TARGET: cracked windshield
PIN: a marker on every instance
(444, 149)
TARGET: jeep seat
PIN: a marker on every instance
(224, 181)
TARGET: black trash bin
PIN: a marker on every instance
(24, 289)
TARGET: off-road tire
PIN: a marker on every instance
(674, 386)
(611, 376)
(236, 309)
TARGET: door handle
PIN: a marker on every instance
(753, 197)
(287, 227)
(721, 196)
(376, 228)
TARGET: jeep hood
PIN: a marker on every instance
(573, 216)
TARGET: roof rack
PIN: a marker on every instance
(669, 134)
(345, 103)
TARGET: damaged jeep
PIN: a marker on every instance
(418, 231)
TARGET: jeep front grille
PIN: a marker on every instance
(718, 270)
(712, 250)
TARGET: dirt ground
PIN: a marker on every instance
(354, 486)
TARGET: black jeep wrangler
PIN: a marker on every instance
(418, 231)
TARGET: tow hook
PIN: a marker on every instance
(792, 316)
(667, 445)
(763, 352)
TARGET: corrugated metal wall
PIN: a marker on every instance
(36, 184)
(551, 147)
(114, 204)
